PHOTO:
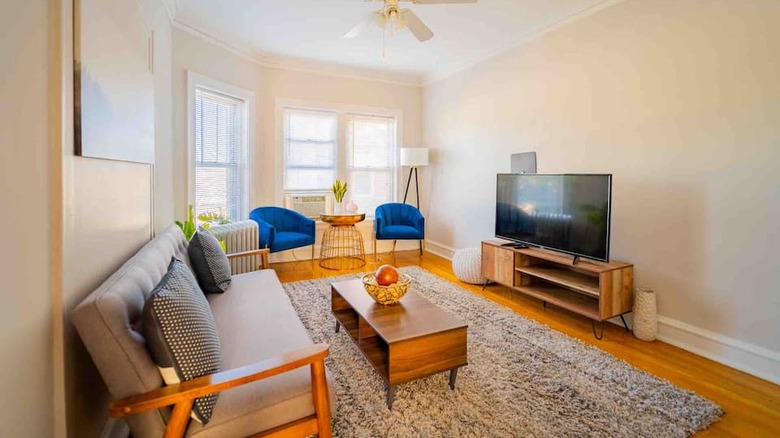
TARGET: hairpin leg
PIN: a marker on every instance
(624, 323)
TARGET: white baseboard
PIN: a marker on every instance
(750, 358)
(439, 249)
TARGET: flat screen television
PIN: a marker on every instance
(566, 213)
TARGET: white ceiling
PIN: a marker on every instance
(302, 32)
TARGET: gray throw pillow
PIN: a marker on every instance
(209, 262)
(181, 333)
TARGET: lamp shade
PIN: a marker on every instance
(414, 157)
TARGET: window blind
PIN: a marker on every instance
(371, 146)
(310, 142)
(220, 158)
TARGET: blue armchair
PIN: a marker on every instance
(398, 222)
(282, 229)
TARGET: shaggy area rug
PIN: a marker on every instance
(523, 380)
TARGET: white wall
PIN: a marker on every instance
(193, 53)
(110, 210)
(681, 102)
(25, 136)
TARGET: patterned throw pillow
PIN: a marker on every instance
(180, 331)
(209, 262)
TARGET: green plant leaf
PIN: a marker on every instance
(188, 227)
(213, 217)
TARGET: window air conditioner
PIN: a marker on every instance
(309, 205)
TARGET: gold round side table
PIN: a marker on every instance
(342, 243)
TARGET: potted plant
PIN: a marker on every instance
(339, 189)
(189, 227)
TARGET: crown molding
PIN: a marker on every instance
(171, 9)
(323, 68)
(524, 39)
(251, 57)
(303, 65)
(342, 71)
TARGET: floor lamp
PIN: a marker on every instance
(414, 158)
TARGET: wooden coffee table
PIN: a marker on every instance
(404, 341)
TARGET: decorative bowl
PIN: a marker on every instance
(391, 294)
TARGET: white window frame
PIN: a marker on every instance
(341, 110)
(196, 81)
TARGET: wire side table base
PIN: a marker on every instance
(342, 248)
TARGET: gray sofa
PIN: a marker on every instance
(255, 321)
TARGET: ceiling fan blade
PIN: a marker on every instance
(416, 26)
(439, 2)
(364, 23)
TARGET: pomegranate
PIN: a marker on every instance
(386, 275)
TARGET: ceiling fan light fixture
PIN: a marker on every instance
(400, 19)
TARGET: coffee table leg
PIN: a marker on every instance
(453, 376)
(390, 396)
(338, 326)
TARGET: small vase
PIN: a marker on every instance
(645, 314)
(351, 207)
(338, 208)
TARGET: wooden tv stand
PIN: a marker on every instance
(596, 290)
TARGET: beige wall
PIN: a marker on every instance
(681, 102)
(109, 212)
(25, 136)
(192, 53)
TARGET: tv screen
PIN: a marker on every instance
(567, 213)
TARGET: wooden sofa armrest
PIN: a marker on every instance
(263, 253)
(183, 394)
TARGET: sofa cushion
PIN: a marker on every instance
(400, 232)
(209, 262)
(255, 321)
(289, 240)
(181, 333)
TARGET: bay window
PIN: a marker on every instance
(321, 145)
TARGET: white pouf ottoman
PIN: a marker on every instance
(467, 265)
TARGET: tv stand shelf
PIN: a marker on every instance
(596, 290)
(571, 279)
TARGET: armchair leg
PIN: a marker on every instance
(421, 247)
(375, 247)
(177, 424)
(394, 242)
(312, 254)
(319, 390)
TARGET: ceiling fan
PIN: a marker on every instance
(397, 18)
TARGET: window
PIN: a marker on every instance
(310, 150)
(370, 160)
(221, 170)
(322, 145)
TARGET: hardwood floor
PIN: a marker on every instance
(752, 405)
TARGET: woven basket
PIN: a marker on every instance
(645, 314)
(387, 294)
